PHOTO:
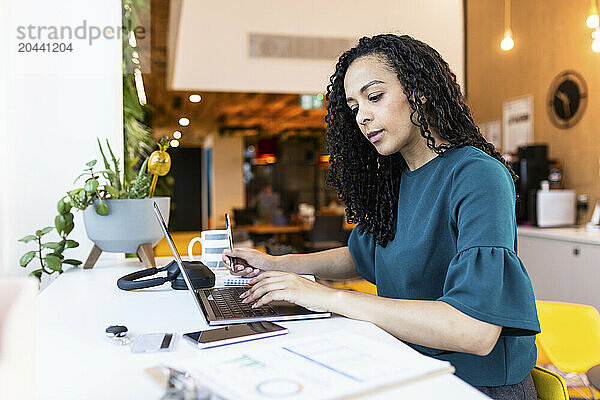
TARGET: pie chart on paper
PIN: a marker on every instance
(279, 388)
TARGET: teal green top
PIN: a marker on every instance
(456, 242)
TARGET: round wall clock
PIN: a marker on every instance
(567, 99)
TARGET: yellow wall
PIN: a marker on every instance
(550, 36)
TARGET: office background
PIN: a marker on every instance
(54, 108)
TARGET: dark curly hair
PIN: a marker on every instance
(368, 182)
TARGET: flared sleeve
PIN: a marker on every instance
(491, 285)
(486, 279)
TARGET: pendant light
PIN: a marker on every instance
(507, 43)
(592, 20)
(596, 40)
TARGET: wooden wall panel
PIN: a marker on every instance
(550, 36)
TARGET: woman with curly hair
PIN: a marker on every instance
(435, 208)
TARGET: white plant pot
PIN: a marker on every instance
(129, 223)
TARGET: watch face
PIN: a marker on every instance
(567, 99)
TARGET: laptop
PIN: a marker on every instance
(222, 305)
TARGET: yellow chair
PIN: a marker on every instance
(181, 240)
(549, 386)
(359, 285)
(570, 337)
(542, 357)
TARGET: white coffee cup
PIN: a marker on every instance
(213, 242)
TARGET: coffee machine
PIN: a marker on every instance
(532, 166)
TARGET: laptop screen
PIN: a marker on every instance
(182, 270)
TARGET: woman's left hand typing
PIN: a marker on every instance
(276, 285)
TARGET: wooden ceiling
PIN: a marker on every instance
(267, 113)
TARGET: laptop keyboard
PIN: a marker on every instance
(227, 300)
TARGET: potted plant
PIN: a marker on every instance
(118, 216)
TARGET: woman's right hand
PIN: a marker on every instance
(247, 263)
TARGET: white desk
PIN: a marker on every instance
(77, 361)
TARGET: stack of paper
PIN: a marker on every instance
(325, 366)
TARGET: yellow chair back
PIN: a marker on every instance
(181, 240)
(570, 337)
(358, 285)
(549, 386)
(542, 357)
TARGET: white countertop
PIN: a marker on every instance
(574, 234)
(77, 361)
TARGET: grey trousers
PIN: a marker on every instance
(524, 390)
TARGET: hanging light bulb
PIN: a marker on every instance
(139, 85)
(592, 20)
(596, 41)
(195, 98)
(507, 43)
(132, 41)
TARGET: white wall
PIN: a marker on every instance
(4, 194)
(212, 41)
(53, 109)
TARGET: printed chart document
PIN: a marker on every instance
(337, 365)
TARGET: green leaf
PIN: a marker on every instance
(117, 180)
(106, 164)
(37, 273)
(68, 218)
(71, 243)
(51, 245)
(53, 262)
(72, 262)
(102, 208)
(42, 232)
(63, 206)
(76, 201)
(64, 223)
(26, 258)
(91, 185)
(91, 163)
(59, 223)
(114, 193)
(28, 238)
(80, 175)
(68, 228)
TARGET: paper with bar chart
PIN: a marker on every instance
(325, 366)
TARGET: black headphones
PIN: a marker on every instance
(200, 276)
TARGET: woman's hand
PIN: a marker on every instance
(248, 262)
(287, 286)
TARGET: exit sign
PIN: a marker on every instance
(311, 102)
